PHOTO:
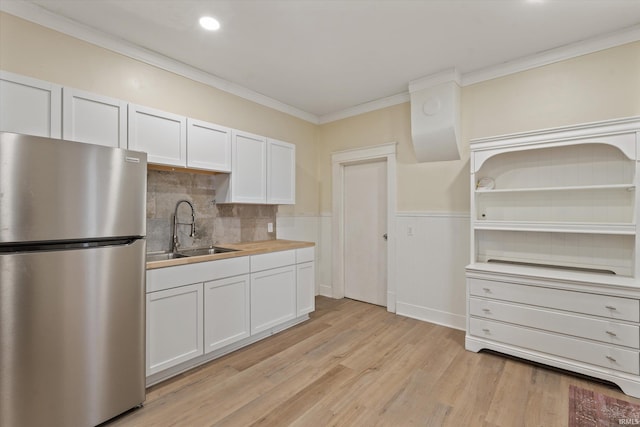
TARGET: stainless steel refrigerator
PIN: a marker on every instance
(72, 278)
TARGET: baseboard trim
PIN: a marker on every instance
(431, 315)
(325, 291)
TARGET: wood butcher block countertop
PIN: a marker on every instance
(241, 249)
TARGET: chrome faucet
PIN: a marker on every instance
(176, 223)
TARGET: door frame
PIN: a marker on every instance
(339, 160)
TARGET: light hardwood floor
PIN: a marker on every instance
(355, 364)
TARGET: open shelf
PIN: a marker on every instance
(602, 251)
(594, 204)
(627, 187)
(558, 227)
(554, 274)
(569, 205)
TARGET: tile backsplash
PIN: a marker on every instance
(224, 223)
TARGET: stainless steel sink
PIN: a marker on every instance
(163, 256)
(205, 251)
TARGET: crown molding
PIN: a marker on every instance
(562, 53)
(445, 76)
(367, 107)
(40, 16)
(607, 41)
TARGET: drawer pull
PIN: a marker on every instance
(487, 290)
(486, 310)
(613, 334)
(611, 359)
(610, 307)
(486, 330)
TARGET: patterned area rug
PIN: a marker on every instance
(590, 409)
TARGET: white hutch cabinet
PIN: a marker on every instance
(554, 254)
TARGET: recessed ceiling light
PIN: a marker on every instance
(209, 23)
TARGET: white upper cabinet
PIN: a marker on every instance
(248, 180)
(249, 168)
(263, 171)
(281, 173)
(162, 135)
(208, 146)
(257, 169)
(30, 106)
(95, 119)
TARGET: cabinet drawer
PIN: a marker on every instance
(578, 302)
(305, 255)
(584, 327)
(571, 348)
(272, 260)
(180, 275)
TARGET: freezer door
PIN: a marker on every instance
(71, 335)
(59, 190)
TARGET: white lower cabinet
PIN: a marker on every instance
(273, 297)
(305, 280)
(305, 288)
(199, 311)
(174, 327)
(226, 312)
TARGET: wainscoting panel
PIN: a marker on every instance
(432, 252)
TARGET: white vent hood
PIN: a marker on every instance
(435, 116)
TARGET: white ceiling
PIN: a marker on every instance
(323, 57)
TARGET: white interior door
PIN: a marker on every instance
(365, 223)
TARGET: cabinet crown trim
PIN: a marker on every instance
(591, 129)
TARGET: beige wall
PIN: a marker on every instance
(35, 51)
(598, 86)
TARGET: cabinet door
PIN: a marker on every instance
(306, 288)
(273, 297)
(174, 327)
(162, 135)
(208, 146)
(248, 171)
(96, 119)
(281, 173)
(226, 312)
(30, 106)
